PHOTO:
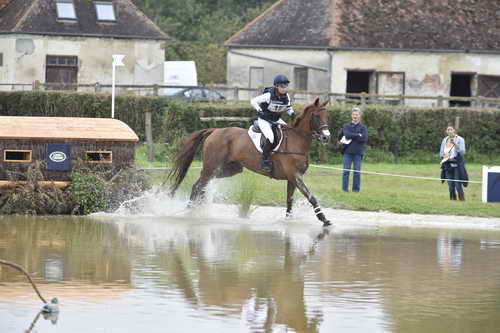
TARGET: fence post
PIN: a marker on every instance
(440, 100)
(36, 85)
(97, 87)
(363, 98)
(149, 134)
(477, 102)
(236, 94)
(457, 122)
(155, 90)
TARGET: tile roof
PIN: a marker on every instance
(40, 17)
(378, 24)
(289, 22)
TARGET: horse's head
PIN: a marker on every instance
(318, 120)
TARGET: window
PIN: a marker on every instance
(65, 10)
(105, 11)
(17, 156)
(300, 78)
(61, 72)
(99, 156)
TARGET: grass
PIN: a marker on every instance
(378, 193)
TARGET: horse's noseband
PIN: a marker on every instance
(317, 129)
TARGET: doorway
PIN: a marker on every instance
(461, 86)
(358, 82)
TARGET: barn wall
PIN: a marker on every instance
(25, 58)
(286, 61)
(425, 74)
(123, 156)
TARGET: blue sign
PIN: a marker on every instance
(493, 187)
(59, 157)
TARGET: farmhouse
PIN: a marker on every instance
(411, 47)
(72, 42)
(61, 143)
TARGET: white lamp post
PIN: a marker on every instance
(117, 61)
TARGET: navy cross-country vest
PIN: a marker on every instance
(278, 104)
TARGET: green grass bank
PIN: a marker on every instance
(378, 192)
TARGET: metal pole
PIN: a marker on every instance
(113, 93)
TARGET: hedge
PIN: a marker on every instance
(401, 130)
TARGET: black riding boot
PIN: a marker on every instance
(266, 164)
(453, 195)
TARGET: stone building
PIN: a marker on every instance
(72, 42)
(412, 47)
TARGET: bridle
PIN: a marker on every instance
(316, 126)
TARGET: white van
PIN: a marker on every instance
(178, 73)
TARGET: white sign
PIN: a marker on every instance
(118, 59)
(57, 156)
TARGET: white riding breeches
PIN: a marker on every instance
(265, 128)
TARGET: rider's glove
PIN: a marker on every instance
(260, 113)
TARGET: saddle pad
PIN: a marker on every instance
(256, 137)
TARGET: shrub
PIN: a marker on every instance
(89, 192)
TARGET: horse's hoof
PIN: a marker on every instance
(288, 215)
(326, 223)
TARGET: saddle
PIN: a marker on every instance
(259, 139)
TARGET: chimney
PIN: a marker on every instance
(4, 3)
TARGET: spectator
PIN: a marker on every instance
(452, 164)
(355, 135)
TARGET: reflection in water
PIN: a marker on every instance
(449, 251)
(125, 274)
(52, 317)
(53, 269)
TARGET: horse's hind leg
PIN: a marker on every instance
(198, 190)
(226, 170)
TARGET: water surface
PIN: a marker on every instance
(116, 273)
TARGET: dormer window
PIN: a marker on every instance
(65, 10)
(105, 11)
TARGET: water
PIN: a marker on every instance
(213, 272)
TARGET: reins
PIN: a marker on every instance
(315, 133)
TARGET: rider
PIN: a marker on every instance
(270, 105)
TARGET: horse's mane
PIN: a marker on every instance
(302, 116)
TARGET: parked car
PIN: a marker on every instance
(195, 94)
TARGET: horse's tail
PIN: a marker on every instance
(185, 157)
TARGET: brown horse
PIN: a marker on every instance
(227, 150)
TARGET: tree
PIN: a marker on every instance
(200, 27)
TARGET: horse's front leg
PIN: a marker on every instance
(310, 197)
(290, 189)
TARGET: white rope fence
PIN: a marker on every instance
(366, 172)
(396, 175)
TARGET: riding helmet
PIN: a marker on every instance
(281, 79)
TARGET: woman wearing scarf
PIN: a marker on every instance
(452, 164)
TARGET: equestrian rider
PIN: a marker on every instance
(270, 105)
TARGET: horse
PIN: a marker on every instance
(227, 150)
